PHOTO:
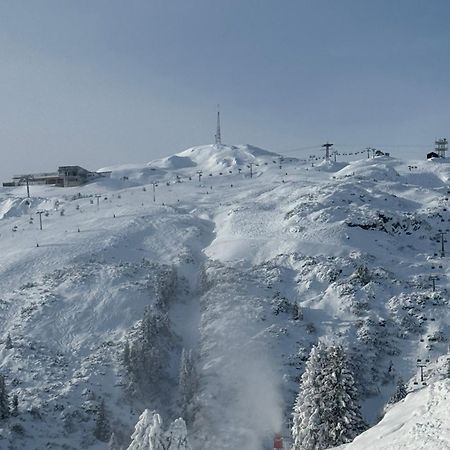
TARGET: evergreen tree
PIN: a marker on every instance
(176, 436)
(400, 392)
(448, 368)
(326, 413)
(15, 406)
(113, 443)
(149, 355)
(102, 428)
(188, 384)
(343, 414)
(148, 433)
(4, 399)
(126, 354)
(8, 342)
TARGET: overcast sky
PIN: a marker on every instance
(101, 82)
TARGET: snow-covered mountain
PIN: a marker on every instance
(246, 259)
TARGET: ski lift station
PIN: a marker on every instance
(67, 176)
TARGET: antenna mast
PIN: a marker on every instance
(441, 146)
(217, 136)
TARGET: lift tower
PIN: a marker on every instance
(327, 147)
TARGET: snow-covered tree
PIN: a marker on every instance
(400, 391)
(113, 443)
(165, 286)
(126, 354)
(4, 399)
(148, 433)
(176, 436)
(448, 368)
(149, 354)
(188, 384)
(102, 429)
(326, 413)
(343, 415)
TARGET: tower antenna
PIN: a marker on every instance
(441, 146)
(218, 136)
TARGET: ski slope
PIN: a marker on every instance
(351, 244)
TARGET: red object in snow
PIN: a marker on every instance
(277, 442)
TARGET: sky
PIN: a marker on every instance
(104, 82)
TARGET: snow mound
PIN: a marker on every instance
(132, 174)
(331, 166)
(16, 207)
(212, 157)
(176, 162)
(378, 169)
(418, 421)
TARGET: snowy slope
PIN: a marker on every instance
(418, 421)
(351, 244)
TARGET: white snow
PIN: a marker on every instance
(418, 421)
(245, 250)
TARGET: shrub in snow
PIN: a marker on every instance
(326, 412)
(362, 274)
(165, 286)
(400, 392)
(297, 313)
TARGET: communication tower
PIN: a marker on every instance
(218, 137)
(441, 146)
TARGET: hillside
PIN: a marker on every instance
(228, 256)
(418, 421)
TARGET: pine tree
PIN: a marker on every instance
(4, 399)
(149, 355)
(448, 368)
(102, 428)
(113, 443)
(176, 436)
(126, 354)
(343, 415)
(15, 406)
(148, 433)
(326, 413)
(400, 392)
(188, 384)
(8, 342)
